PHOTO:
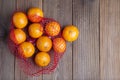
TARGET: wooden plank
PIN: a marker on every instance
(86, 48)
(60, 10)
(6, 59)
(110, 39)
(24, 5)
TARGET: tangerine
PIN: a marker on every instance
(35, 30)
(52, 28)
(35, 14)
(17, 36)
(42, 59)
(20, 20)
(44, 43)
(26, 49)
(70, 33)
(59, 45)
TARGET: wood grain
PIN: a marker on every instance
(110, 39)
(24, 5)
(94, 56)
(6, 59)
(86, 48)
(60, 10)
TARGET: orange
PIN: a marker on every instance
(59, 45)
(70, 33)
(35, 14)
(42, 59)
(52, 28)
(35, 30)
(17, 36)
(26, 49)
(20, 20)
(44, 44)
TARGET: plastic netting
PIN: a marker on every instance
(28, 65)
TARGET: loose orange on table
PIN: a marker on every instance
(44, 43)
(59, 45)
(70, 33)
(35, 30)
(35, 14)
(20, 20)
(17, 36)
(26, 49)
(52, 28)
(42, 59)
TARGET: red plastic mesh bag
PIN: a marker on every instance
(28, 65)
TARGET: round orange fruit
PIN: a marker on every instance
(26, 49)
(35, 14)
(42, 59)
(17, 36)
(44, 43)
(59, 45)
(20, 20)
(52, 28)
(35, 30)
(70, 33)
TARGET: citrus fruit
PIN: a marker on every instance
(35, 30)
(44, 44)
(20, 20)
(26, 49)
(35, 14)
(70, 33)
(52, 28)
(59, 45)
(42, 59)
(17, 36)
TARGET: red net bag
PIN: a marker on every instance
(28, 65)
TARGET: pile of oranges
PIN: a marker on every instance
(28, 25)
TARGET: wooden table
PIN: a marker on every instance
(96, 53)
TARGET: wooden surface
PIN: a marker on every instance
(96, 53)
(86, 48)
(110, 39)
